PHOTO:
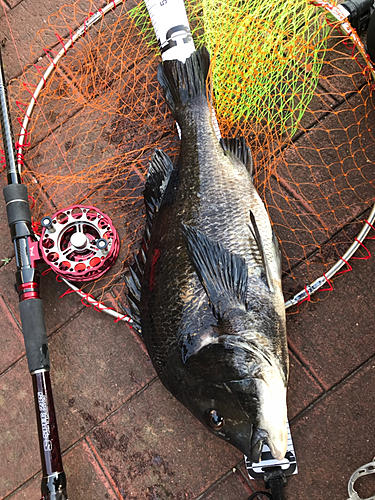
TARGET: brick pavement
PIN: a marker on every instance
(125, 437)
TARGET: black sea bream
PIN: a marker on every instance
(206, 285)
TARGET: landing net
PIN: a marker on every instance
(285, 76)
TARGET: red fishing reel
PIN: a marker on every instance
(79, 243)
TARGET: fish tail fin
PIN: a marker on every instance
(184, 84)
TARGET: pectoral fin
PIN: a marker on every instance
(223, 274)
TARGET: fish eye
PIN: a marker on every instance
(214, 419)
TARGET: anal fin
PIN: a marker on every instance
(158, 175)
(134, 299)
(159, 172)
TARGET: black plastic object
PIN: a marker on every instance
(17, 203)
(370, 42)
(259, 494)
(275, 480)
(359, 13)
(34, 333)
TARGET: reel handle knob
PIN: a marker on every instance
(47, 223)
(102, 244)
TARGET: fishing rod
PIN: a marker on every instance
(31, 309)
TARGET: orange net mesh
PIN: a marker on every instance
(101, 113)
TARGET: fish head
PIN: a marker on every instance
(239, 396)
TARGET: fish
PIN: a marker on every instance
(205, 289)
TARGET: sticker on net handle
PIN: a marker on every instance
(172, 29)
(288, 464)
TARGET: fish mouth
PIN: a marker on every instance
(258, 438)
(253, 449)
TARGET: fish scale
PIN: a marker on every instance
(211, 308)
(233, 199)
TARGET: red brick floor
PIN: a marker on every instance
(123, 435)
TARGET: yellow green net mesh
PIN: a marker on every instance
(266, 56)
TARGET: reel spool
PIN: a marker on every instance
(79, 243)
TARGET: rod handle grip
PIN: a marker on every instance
(35, 334)
(17, 203)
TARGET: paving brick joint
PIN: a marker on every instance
(124, 436)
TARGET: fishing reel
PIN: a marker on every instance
(79, 243)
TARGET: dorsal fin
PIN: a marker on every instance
(256, 235)
(237, 147)
(223, 274)
(158, 175)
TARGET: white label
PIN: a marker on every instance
(44, 420)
